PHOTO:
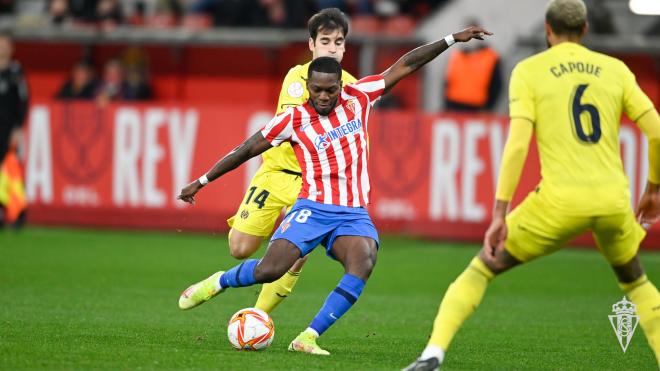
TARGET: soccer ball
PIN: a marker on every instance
(250, 329)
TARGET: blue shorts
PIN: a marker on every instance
(310, 223)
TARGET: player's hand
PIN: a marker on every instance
(469, 33)
(648, 209)
(188, 192)
(495, 237)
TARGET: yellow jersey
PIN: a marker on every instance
(294, 92)
(575, 97)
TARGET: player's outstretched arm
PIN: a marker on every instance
(416, 58)
(253, 146)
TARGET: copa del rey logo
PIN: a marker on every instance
(624, 321)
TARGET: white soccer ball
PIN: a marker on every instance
(250, 329)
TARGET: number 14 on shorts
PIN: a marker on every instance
(299, 216)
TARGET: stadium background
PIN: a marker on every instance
(119, 165)
(122, 164)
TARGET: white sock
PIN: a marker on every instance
(433, 351)
(312, 331)
(217, 284)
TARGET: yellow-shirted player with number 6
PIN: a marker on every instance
(571, 98)
(277, 183)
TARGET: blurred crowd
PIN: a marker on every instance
(122, 79)
(207, 13)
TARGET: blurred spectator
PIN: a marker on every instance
(83, 10)
(225, 12)
(13, 97)
(113, 86)
(58, 10)
(7, 6)
(109, 13)
(13, 109)
(170, 7)
(81, 85)
(257, 13)
(138, 17)
(600, 18)
(473, 80)
(135, 63)
(136, 85)
(120, 83)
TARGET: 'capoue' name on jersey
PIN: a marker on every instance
(572, 67)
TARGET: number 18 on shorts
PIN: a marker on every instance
(309, 224)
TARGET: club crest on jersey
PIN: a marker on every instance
(350, 105)
(323, 141)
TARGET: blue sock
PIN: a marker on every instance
(340, 300)
(241, 275)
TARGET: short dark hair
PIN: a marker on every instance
(328, 19)
(325, 65)
(566, 17)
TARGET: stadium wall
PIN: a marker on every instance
(123, 166)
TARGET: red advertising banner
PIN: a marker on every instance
(122, 166)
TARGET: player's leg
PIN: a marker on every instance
(255, 218)
(618, 237)
(242, 245)
(272, 294)
(358, 256)
(279, 257)
(533, 230)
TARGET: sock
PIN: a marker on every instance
(433, 351)
(240, 276)
(340, 300)
(312, 332)
(461, 299)
(646, 298)
(273, 293)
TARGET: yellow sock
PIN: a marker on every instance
(461, 299)
(273, 293)
(647, 299)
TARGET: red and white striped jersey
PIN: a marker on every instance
(332, 150)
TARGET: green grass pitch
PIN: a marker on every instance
(81, 299)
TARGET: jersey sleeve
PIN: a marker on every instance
(372, 86)
(521, 96)
(513, 158)
(292, 92)
(635, 102)
(279, 129)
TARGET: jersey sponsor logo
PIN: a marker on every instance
(295, 89)
(624, 321)
(323, 141)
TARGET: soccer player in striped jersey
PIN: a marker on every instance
(329, 135)
(571, 98)
(276, 184)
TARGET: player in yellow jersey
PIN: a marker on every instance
(571, 98)
(276, 184)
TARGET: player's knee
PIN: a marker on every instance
(242, 248)
(240, 251)
(365, 264)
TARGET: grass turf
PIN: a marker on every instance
(81, 299)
